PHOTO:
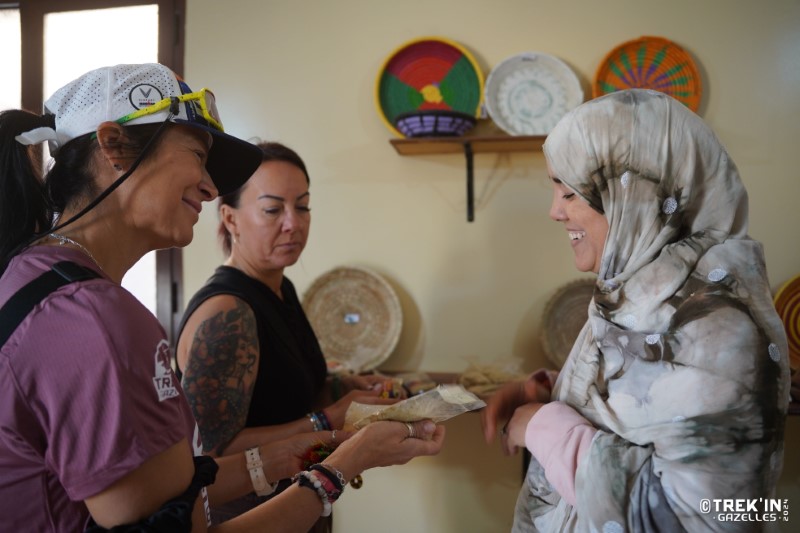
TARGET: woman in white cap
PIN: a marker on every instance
(95, 431)
(672, 402)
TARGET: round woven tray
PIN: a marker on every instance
(650, 63)
(787, 303)
(428, 74)
(564, 315)
(527, 94)
(356, 316)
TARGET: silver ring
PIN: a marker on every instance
(410, 430)
(333, 435)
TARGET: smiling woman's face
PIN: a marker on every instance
(587, 229)
(164, 196)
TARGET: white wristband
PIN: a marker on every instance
(261, 486)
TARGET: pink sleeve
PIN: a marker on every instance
(558, 437)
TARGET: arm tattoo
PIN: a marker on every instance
(220, 374)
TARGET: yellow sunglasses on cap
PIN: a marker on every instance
(202, 101)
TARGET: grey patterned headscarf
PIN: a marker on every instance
(682, 364)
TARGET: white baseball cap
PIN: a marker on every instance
(145, 94)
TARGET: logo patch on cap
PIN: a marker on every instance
(144, 95)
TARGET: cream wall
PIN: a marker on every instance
(303, 72)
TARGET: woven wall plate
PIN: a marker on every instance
(528, 93)
(564, 315)
(787, 303)
(428, 74)
(356, 316)
(650, 63)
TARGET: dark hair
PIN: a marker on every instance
(24, 206)
(29, 203)
(270, 151)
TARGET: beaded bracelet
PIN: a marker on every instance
(315, 423)
(331, 492)
(336, 477)
(323, 420)
(319, 421)
(322, 485)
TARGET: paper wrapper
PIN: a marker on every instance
(439, 404)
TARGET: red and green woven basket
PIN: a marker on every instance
(430, 75)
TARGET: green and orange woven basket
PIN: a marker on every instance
(650, 63)
(787, 304)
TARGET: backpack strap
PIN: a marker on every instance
(24, 300)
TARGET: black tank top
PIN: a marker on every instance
(292, 369)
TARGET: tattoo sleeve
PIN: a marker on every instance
(220, 374)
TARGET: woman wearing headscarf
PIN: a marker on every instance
(673, 397)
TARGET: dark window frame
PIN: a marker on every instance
(172, 16)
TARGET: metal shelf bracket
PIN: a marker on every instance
(470, 182)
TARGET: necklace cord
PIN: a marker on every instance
(63, 239)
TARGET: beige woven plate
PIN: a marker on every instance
(528, 93)
(564, 315)
(356, 316)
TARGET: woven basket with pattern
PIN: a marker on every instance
(564, 315)
(650, 63)
(427, 77)
(356, 316)
(787, 303)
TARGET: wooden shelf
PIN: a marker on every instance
(455, 145)
(437, 377)
(468, 146)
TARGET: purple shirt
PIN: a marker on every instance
(86, 396)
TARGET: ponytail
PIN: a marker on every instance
(24, 206)
(31, 203)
